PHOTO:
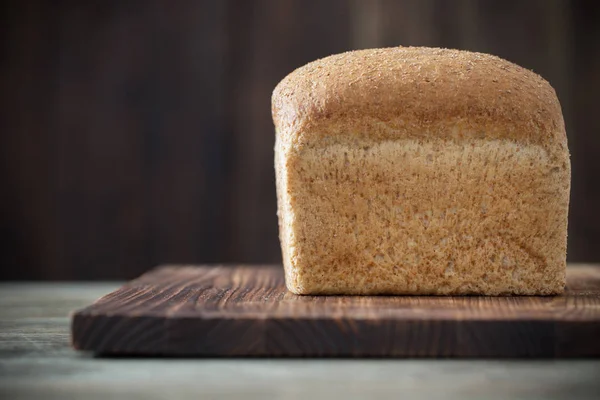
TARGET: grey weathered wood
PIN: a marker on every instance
(36, 361)
(247, 311)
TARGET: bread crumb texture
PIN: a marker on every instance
(420, 171)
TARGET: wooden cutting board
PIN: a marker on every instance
(246, 311)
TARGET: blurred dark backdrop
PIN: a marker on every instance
(139, 132)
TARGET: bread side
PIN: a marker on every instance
(428, 217)
(398, 187)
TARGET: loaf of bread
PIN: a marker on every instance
(420, 171)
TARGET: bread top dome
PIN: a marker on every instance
(408, 92)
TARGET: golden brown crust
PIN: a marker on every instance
(413, 89)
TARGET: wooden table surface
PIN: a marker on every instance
(36, 360)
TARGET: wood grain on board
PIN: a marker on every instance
(247, 311)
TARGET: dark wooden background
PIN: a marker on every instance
(139, 132)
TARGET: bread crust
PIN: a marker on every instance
(413, 89)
